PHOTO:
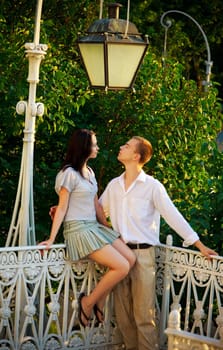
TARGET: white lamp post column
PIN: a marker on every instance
(22, 228)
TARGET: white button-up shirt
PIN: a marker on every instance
(135, 213)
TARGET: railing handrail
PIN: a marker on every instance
(30, 247)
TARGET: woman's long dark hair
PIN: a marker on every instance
(79, 149)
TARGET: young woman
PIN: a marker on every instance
(86, 231)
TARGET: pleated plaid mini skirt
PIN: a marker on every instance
(83, 237)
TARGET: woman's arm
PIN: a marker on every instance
(58, 217)
(100, 213)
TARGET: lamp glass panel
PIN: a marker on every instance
(93, 57)
(123, 62)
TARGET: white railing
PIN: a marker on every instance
(39, 291)
(38, 300)
(192, 306)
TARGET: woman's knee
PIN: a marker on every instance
(125, 251)
(125, 268)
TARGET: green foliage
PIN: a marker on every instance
(181, 121)
(170, 110)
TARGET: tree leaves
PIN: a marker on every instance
(169, 109)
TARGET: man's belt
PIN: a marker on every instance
(138, 245)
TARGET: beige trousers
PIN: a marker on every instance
(135, 303)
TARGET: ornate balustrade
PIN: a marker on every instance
(39, 291)
(191, 299)
(38, 300)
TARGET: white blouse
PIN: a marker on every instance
(82, 193)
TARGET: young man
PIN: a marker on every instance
(134, 202)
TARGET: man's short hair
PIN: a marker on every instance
(144, 148)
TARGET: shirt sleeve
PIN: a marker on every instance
(67, 179)
(172, 216)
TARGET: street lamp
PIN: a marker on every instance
(112, 51)
(22, 227)
(168, 24)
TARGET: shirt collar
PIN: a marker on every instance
(141, 177)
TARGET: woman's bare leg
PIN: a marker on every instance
(118, 268)
(125, 251)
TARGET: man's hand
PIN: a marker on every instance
(205, 250)
(52, 211)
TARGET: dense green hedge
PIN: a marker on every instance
(180, 120)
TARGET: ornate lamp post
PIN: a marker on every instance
(168, 24)
(22, 228)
